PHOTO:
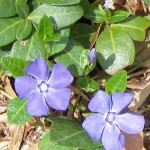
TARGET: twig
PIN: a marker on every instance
(133, 69)
(77, 91)
(138, 73)
(95, 36)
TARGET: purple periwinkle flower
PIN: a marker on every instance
(92, 56)
(44, 88)
(109, 4)
(107, 121)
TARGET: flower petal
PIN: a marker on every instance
(92, 56)
(60, 77)
(120, 101)
(94, 125)
(25, 86)
(112, 139)
(131, 123)
(58, 99)
(101, 102)
(36, 105)
(38, 69)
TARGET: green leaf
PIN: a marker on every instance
(22, 8)
(24, 29)
(58, 46)
(45, 30)
(83, 33)
(14, 66)
(59, 2)
(30, 51)
(63, 15)
(75, 58)
(94, 15)
(102, 11)
(46, 144)
(147, 2)
(118, 16)
(8, 29)
(5, 50)
(87, 84)
(134, 26)
(72, 134)
(7, 8)
(117, 83)
(115, 50)
(16, 112)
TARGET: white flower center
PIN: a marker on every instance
(43, 87)
(111, 117)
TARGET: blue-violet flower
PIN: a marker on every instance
(105, 124)
(44, 88)
(92, 56)
(109, 4)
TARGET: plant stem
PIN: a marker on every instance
(77, 91)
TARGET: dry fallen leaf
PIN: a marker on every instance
(134, 142)
(140, 97)
(7, 86)
(17, 138)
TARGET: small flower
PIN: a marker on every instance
(109, 4)
(105, 124)
(44, 88)
(92, 56)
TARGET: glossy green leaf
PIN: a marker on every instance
(147, 2)
(59, 2)
(94, 15)
(83, 33)
(2, 53)
(75, 58)
(8, 29)
(63, 15)
(46, 144)
(134, 26)
(14, 66)
(5, 50)
(58, 46)
(16, 112)
(115, 50)
(147, 17)
(72, 134)
(45, 28)
(118, 16)
(46, 31)
(87, 84)
(117, 83)
(24, 29)
(90, 13)
(7, 8)
(22, 8)
(30, 50)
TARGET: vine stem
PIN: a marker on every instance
(77, 91)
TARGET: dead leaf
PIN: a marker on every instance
(17, 138)
(134, 142)
(140, 97)
(7, 86)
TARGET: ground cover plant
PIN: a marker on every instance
(72, 67)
